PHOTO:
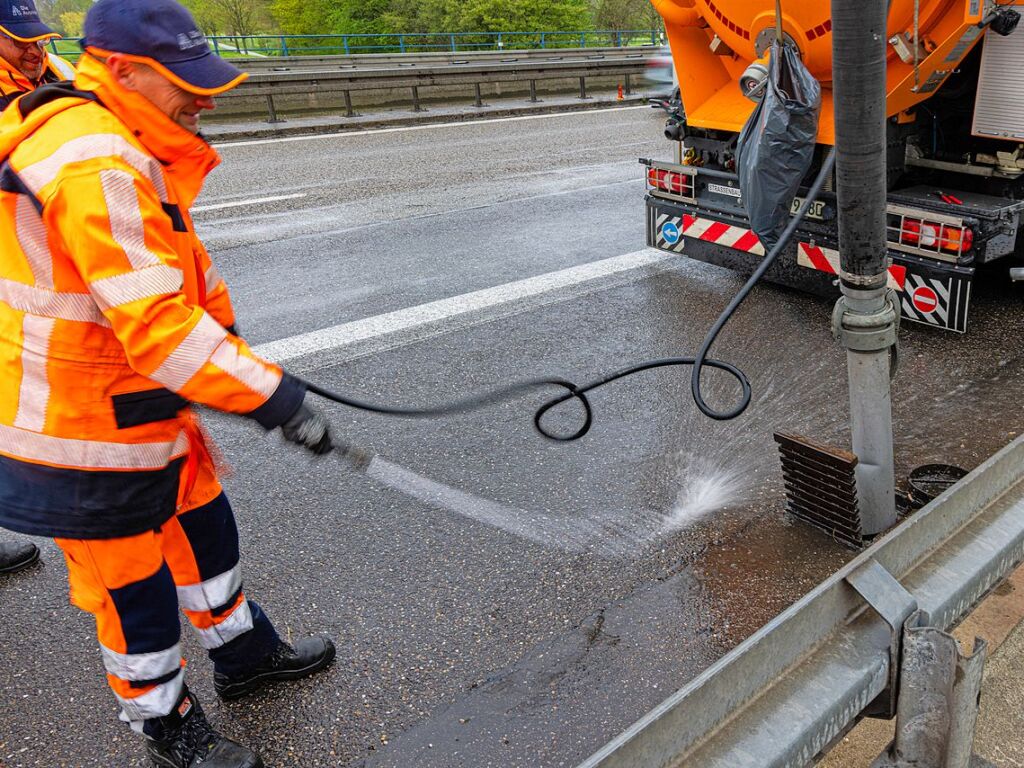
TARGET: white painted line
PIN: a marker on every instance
(240, 203)
(402, 129)
(345, 334)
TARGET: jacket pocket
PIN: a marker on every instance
(131, 409)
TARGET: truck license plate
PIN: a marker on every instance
(816, 211)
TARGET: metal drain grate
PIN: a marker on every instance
(821, 488)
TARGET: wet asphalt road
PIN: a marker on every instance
(613, 569)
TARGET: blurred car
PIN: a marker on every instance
(660, 74)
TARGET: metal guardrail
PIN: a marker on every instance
(788, 692)
(466, 59)
(292, 45)
(327, 81)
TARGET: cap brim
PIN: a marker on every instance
(208, 75)
(28, 31)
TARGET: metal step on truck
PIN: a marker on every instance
(955, 145)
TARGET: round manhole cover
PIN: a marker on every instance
(929, 480)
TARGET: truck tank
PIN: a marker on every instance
(720, 52)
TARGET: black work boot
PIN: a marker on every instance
(15, 555)
(309, 655)
(184, 739)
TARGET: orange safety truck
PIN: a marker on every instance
(955, 149)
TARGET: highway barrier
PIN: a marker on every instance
(270, 46)
(322, 89)
(870, 640)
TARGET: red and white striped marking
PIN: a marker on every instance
(827, 260)
(720, 233)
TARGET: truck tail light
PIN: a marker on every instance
(673, 182)
(935, 237)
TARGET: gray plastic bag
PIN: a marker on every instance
(776, 145)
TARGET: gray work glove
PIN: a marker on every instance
(308, 428)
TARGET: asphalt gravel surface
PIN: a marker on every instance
(574, 586)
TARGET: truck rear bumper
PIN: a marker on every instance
(932, 292)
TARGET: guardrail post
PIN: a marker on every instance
(938, 701)
(453, 43)
(271, 112)
(216, 47)
(533, 91)
(284, 46)
(583, 87)
(629, 85)
(583, 39)
(348, 104)
(401, 43)
(479, 99)
(416, 99)
(344, 44)
(543, 43)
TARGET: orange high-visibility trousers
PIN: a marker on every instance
(135, 586)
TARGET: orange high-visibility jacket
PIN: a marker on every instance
(13, 84)
(111, 313)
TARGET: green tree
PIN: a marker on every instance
(72, 23)
(52, 12)
(625, 14)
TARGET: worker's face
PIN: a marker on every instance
(178, 104)
(27, 58)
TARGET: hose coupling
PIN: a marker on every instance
(867, 332)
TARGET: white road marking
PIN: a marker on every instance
(338, 336)
(401, 129)
(240, 203)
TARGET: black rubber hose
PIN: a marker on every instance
(573, 391)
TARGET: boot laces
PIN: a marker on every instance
(195, 738)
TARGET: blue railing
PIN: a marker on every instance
(323, 45)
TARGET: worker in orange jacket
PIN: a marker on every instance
(24, 66)
(112, 320)
(24, 62)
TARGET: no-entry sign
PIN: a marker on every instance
(925, 299)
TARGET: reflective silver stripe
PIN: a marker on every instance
(80, 307)
(141, 666)
(155, 703)
(238, 622)
(92, 147)
(34, 394)
(254, 374)
(88, 454)
(213, 278)
(212, 593)
(31, 234)
(126, 225)
(191, 354)
(157, 280)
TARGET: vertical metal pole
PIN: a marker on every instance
(453, 43)
(533, 91)
(629, 85)
(348, 104)
(271, 111)
(344, 43)
(583, 87)
(415, 99)
(479, 99)
(865, 318)
(938, 702)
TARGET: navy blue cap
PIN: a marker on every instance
(20, 19)
(162, 31)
